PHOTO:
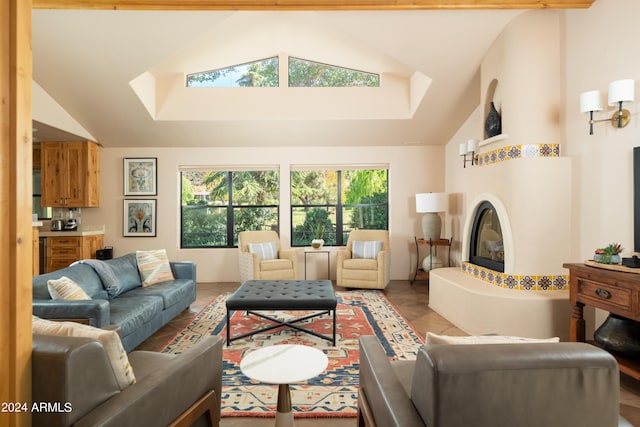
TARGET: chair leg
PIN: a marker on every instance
(207, 405)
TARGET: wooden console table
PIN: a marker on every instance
(613, 291)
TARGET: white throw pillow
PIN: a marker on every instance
(109, 339)
(265, 250)
(65, 288)
(154, 266)
(366, 249)
(484, 339)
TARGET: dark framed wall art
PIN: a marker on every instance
(139, 218)
(140, 176)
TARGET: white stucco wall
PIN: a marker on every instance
(411, 170)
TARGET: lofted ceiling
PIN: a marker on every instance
(86, 60)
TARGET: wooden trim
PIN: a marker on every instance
(308, 4)
(207, 404)
(365, 417)
(16, 201)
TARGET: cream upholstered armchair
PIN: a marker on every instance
(262, 258)
(366, 261)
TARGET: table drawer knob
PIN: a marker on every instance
(603, 294)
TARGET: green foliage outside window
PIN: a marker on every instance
(340, 200)
(216, 205)
(265, 73)
(304, 73)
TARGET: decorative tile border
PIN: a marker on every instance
(512, 152)
(517, 282)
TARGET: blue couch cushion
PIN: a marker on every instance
(132, 312)
(82, 274)
(126, 269)
(171, 292)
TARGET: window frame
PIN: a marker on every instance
(339, 205)
(229, 206)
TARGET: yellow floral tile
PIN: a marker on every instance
(525, 282)
(513, 152)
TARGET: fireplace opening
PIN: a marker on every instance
(486, 243)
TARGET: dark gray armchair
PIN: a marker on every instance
(170, 390)
(490, 385)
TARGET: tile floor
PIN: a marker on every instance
(411, 300)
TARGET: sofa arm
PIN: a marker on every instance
(546, 384)
(184, 269)
(386, 398)
(73, 371)
(166, 386)
(95, 311)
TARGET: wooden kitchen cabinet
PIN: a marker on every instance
(63, 251)
(70, 174)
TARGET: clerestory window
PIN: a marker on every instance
(305, 73)
(262, 73)
(301, 73)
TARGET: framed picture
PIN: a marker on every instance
(139, 218)
(140, 176)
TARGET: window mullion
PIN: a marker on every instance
(339, 222)
(230, 221)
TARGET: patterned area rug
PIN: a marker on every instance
(334, 393)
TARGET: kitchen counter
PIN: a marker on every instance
(83, 230)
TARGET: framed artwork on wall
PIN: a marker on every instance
(139, 218)
(140, 176)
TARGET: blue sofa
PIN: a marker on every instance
(137, 312)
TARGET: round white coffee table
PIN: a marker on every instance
(284, 364)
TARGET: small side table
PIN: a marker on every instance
(433, 250)
(284, 364)
(317, 251)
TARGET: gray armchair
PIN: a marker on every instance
(490, 385)
(171, 390)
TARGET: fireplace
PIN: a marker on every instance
(486, 244)
(492, 292)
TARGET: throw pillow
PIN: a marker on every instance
(154, 267)
(366, 249)
(266, 250)
(126, 269)
(484, 339)
(109, 339)
(65, 288)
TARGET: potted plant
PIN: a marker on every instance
(318, 234)
(610, 254)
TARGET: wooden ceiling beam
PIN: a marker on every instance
(309, 4)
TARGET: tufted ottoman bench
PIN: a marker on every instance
(280, 295)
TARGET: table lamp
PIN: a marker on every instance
(431, 204)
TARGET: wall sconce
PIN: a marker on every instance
(468, 148)
(620, 91)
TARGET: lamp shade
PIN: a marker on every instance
(472, 145)
(590, 101)
(621, 91)
(432, 202)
